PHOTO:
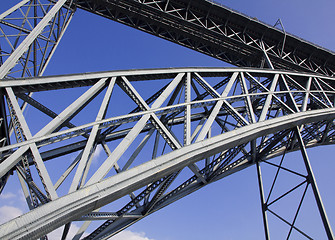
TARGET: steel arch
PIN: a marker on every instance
(240, 99)
(236, 116)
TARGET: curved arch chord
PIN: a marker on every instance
(197, 126)
(71, 207)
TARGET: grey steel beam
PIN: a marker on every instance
(37, 157)
(218, 34)
(217, 31)
(263, 204)
(30, 14)
(255, 87)
(187, 111)
(106, 216)
(312, 181)
(80, 145)
(83, 165)
(69, 112)
(216, 70)
(12, 9)
(216, 108)
(269, 98)
(93, 196)
(16, 55)
(106, 166)
(29, 100)
(46, 83)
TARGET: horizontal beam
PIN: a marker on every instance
(217, 31)
(72, 206)
(42, 83)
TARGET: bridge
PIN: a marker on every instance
(194, 127)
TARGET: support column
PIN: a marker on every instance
(264, 207)
(315, 189)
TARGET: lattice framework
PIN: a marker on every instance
(199, 126)
(191, 108)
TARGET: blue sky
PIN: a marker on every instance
(229, 209)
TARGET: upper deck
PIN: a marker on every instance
(218, 31)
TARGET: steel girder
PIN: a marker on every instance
(191, 132)
(29, 34)
(217, 31)
(200, 125)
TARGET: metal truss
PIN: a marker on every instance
(217, 31)
(195, 126)
(306, 179)
(199, 126)
(29, 34)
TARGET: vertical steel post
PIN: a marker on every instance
(264, 207)
(312, 181)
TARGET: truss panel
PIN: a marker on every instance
(111, 148)
(148, 155)
(217, 31)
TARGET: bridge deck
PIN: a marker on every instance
(217, 31)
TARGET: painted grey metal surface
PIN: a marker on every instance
(72, 206)
(199, 126)
(247, 105)
(218, 31)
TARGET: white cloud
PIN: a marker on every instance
(97, 153)
(59, 231)
(129, 235)
(8, 213)
(14, 199)
(124, 235)
(7, 196)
